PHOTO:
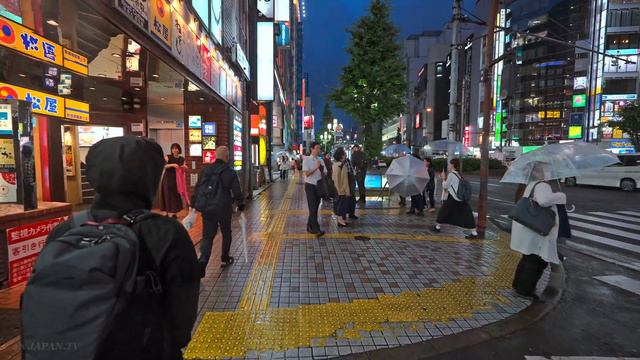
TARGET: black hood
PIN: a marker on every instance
(125, 172)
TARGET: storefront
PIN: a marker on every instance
(100, 69)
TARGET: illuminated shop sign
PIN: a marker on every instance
(24, 40)
(46, 104)
(579, 100)
(265, 61)
(237, 142)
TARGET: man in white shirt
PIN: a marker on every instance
(313, 169)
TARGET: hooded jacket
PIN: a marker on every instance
(125, 172)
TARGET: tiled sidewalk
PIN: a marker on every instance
(302, 297)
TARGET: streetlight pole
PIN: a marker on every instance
(486, 122)
(453, 87)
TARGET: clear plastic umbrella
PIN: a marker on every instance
(243, 228)
(396, 150)
(446, 146)
(407, 176)
(560, 161)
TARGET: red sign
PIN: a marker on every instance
(255, 125)
(308, 122)
(467, 136)
(24, 245)
(418, 125)
(263, 127)
(209, 156)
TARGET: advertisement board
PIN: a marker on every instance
(237, 142)
(24, 244)
(216, 20)
(265, 61)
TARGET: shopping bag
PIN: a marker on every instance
(190, 219)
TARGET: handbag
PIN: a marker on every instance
(531, 215)
(327, 188)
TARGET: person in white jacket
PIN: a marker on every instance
(537, 250)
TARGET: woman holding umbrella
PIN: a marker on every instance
(455, 211)
(537, 250)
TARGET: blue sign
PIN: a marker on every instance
(209, 128)
(577, 119)
(373, 181)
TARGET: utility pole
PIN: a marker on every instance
(453, 87)
(486, 121)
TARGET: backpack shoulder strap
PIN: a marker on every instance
(533, 190)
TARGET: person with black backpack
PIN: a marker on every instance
(456, 210)
(218, 188)
(114, 282)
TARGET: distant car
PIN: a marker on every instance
(625, 175)
(380, 164)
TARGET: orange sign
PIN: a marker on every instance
(160, 20)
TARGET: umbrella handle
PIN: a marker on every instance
(573, 208)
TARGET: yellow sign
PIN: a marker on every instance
(160, 20)
(7, 157)
(26, 41)
(195, 135)
(76, 62)
(553, 114)
(541, 114)
(46, 104)
(617, 133)
(76, 110)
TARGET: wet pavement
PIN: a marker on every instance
(384, 282)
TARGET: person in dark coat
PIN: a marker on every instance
(170, 200)
(417, 201)
(359, 163)
(125, 172)
(430, 189)
(211, 220)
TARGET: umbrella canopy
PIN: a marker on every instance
(446, 145)
(407, 176)
(559, 161)
(396, 150)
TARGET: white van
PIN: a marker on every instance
(625, 175)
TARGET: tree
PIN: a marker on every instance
(327, 116)
(629, 123)
(373, 85)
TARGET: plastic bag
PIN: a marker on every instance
(190, 219)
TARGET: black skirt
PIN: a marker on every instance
(170, 200)
(457, 213)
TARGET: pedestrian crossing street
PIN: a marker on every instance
(615, 230)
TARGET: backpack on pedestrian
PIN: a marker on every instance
(464, 191)
(209, 195)
(84, 284)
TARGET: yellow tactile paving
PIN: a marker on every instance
(233, 334)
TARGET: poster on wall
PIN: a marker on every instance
(7, 156)
(160, 13)
(8, 187)
(209, 142)
(179, 31)
(195, 135)
(209, 128)
(195, 121)
(209, 156)
(6, 124)
(24, 245)
(195, 150)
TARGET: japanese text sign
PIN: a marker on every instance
(24, 244)
(160, 24)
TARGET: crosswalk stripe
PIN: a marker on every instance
(617, 216)
(622, 282)
(607, 230)
(629, 213)
(606, 241)
(605, 221)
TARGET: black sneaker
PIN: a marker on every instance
(229, 261)
(354, 217)
(435, 229)
(471, 237)
(320, 233)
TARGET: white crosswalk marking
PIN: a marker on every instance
(622, 282)
(635, 213)
(617, 216)
(598, 230)
(605, 221)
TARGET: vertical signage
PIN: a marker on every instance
(216, 20)
(160, 13)
(265, 61)
(136, 10)
(265, 8)
(237, 142)
(282, 10)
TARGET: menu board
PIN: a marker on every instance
(89, 135)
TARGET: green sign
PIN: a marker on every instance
(579, 100)
(526, 149)
(575, 132)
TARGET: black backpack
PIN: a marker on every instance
(209, 195)
(83, 285)
(464, 191)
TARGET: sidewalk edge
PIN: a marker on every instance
(534, 312)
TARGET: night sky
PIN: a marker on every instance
(325, 38)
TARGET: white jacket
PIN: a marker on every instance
(527, 241)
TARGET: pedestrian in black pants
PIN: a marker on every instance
(313, 169)
(359, 163)
(351, 209)
(430, 189)
(229, 184)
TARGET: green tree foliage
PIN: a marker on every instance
(373, 85)
(629, 123)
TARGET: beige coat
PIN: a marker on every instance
(340, 177)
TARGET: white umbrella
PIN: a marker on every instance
(560, 161)
(407, 176)
(446, 145)
(243, 228)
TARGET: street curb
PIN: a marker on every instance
(537, 310)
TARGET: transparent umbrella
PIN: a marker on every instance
(396, 150)
(407, 176)
(446, 146)
(561, 161)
